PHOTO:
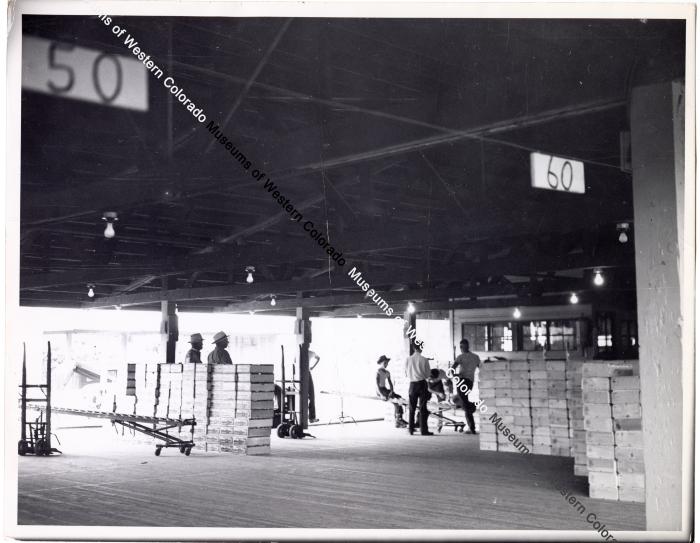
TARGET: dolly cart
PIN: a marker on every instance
(36, 436)
(287, 416)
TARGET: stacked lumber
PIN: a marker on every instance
(612, 419)
(574, 400)
(539, 402)
(520, 410)
(487, 393)
(240, 416)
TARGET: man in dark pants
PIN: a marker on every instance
(467, 362)
(417, 372)
(313, 359)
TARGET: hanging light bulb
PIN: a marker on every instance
(91, 291)
(110, 217)
(598, 279)
(516, 313)
(623, 228)
(411, 308)
(574, 298)
(249, 270)
(273, 302)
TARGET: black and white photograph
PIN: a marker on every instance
(349, 271)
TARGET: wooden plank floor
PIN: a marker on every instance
(352, 476)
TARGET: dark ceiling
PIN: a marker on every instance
(408, 141)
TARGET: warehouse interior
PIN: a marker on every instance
(408, 145)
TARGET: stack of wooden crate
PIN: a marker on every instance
(613, 420)
(147, 377)
(170, 398)
(627, 425)
(487, 393)
(241, 408)
(558, 412)
(520, 400)
(574, 400)
(539, 401)
(503, 403)
(600, 440)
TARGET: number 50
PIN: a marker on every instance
(566, 175)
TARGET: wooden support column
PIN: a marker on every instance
(657, 165)
(409, 323)
(168, 326)
(303, 331)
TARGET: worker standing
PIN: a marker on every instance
(194, 355)
(220, 355)
(467, 362)
(312, 396)
(417, 372)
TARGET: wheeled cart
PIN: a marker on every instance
(36, 436)
(155, 427)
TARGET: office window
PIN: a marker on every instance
(604, 334)
(501, 337)
(562, 336)
(534, 335)
(496, 336)
(477, 335)
(628, 339)
(549, 335)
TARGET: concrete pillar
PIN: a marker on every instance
(656, 154)
(303, 331)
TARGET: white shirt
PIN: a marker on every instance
(417, 367)
(467, 362)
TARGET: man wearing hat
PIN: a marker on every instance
(194, 354)
(384, 379)
(220, 355)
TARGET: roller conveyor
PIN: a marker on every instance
(157, 429)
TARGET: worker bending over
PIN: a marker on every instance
(387, 392)
(436, 384)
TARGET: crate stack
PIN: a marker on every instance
(574, 400)
(613, 420)
(169, 404)
(598, 423)
(241, 405)
(487, 393)
(627, 426)
(520, 400)
(147, 380)
(196, 384)
(539, 402)
(558, 410)
(503, 403)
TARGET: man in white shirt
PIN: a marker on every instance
(417, 371)
(467, 362)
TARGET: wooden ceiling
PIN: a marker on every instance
(406, 141)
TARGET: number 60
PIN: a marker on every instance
(565, 183)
